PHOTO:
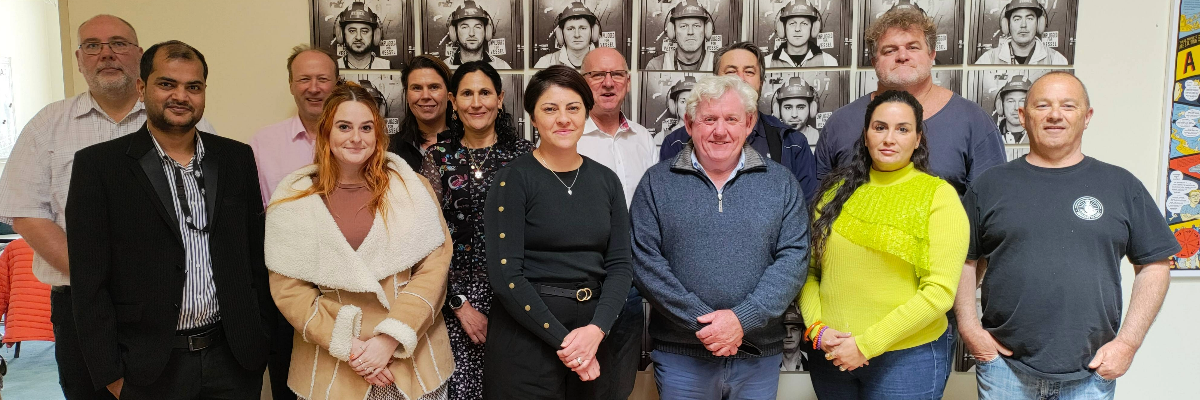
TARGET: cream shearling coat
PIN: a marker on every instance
(395, 284)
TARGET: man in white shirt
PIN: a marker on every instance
(625, 147)
(33, 189)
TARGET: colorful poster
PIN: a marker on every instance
(1181, 188)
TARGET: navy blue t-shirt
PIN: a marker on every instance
(963, 140)
(1054, 239)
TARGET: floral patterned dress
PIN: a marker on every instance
(462, 192)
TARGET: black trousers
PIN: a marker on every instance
(281, 359)
(73, 373)
(519, 365)
(625, 349)
(210, 374)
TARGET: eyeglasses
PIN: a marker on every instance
(117, 47)
(598, 76)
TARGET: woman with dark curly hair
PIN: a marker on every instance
(888, 244)
(481, 140)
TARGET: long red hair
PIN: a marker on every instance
(376, 170)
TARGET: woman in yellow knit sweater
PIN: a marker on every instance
(888, 244)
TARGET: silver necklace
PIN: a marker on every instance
(477, 168)
(544, 164)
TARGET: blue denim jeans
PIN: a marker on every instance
(1000, 381)
(915, 373)
(692, 378)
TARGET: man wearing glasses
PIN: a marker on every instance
(33, 189)
(625, 147)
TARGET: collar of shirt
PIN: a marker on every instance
(89, 104)
(590, 127)
(301, 133)
(741, 164)
(564, 59)
(196, 158)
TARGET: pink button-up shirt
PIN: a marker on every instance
(280, 149)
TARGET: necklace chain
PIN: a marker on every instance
(477, 168)
(547, 165)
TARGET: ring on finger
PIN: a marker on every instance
(578, 361)
(842, 368)
(828, 356)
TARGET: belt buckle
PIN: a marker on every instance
(584, 294)
(194, 343)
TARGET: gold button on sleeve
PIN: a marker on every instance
(502, 236)
(501, 183)
(504, 261)
(546, 325)
(526, 307)
(510, 286)
(501, 209)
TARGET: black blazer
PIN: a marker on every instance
(127, 256)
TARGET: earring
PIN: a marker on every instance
(454, 115)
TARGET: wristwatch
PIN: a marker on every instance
(456, 301)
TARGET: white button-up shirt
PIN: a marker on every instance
(629, 153)
(35, 180)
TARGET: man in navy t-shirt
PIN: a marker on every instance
(1051, 229)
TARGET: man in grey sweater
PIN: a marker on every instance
(720, 250)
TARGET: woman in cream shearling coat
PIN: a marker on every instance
(347, 301)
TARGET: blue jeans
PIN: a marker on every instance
(692, 378)
(910, 374)
(998, 381)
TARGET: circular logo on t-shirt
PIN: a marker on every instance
(1088, 208)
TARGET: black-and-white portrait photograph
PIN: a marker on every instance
(805, 100)
(1001, 93)
(661, 104)
(461, 31)
(1024, 32)
(947, 78)
(794, 357)
(802, 33)
(365, 34)
(564, 31)
(682, 35)
(948, 15)
(388, 91)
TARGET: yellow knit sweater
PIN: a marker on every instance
(888, 303)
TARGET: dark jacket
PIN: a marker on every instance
(127, 256)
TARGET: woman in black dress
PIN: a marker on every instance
(461, 168)
(558, 254)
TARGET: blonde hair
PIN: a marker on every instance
(904, 19)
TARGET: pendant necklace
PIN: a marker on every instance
(477, 168)
(544, 164)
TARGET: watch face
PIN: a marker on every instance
(456, 301)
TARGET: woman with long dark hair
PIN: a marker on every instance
(888, 244)
(560, 264)
(461, 168)
(357, 250)
(426, 80)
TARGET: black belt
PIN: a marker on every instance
(201, 340)
(580, 294)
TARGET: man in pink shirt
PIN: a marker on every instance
(283, 148)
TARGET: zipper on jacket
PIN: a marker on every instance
(720, 202)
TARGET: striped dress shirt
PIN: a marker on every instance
(199, 307)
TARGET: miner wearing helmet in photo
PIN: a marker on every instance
(471, 29)
(1023, 23)
(359, 34)
(576, 33)
(799, 24)
(690, 26)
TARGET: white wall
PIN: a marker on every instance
(29, 36)
(1122, 56)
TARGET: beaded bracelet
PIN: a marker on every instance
(817, 344)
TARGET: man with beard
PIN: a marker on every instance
(33, 189)
(166, 232)
(770, 137)
(282, 148)
(799, 24)
(796, 105)
(577, 33)
(1010, 99)
(358, 31)
(689, 25)
(471, 29)
(1023, 22)
(963, 139)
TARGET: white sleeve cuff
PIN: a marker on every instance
(345, 328)
(402, 333)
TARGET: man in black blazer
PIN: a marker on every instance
(165, 228)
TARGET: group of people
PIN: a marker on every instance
(453, 260)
